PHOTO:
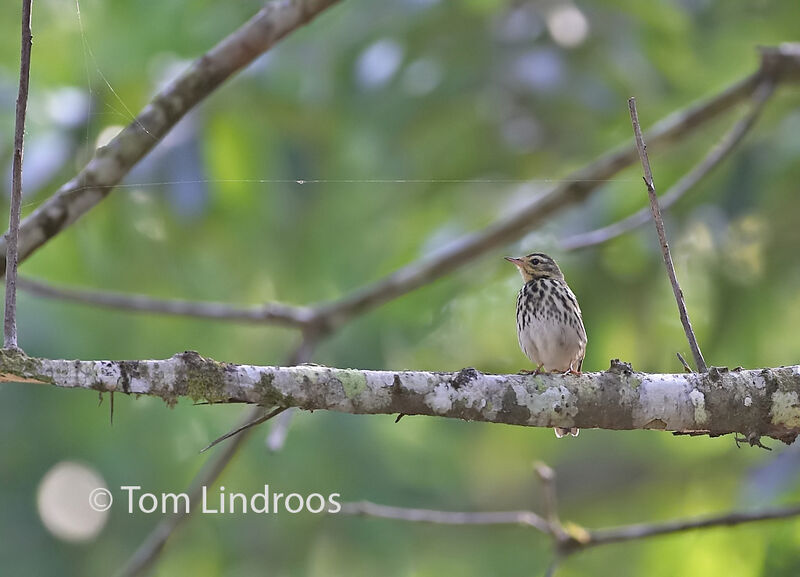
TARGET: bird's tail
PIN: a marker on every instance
(563, 431)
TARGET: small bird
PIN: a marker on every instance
(549, 322)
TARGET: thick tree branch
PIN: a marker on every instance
(12, 238)
(756, 402)
(112, 162)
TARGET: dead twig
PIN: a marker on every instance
(714, 158)
(12, 238)
(662, 237)
(262, 419)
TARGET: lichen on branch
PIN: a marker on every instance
(759, 402)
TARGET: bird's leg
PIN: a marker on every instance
(538, 371)
(571, 371)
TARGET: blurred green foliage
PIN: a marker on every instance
(430, 92)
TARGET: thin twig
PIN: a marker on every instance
(686, 366)
(716, 155)
(547, 477)
(368, 509)
(593, 537)
(12, 252)
(254, 423)
(272, 313)
(647, 530)
(662, 237)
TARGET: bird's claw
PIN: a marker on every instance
(538, 371)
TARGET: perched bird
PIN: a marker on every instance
(549, 323)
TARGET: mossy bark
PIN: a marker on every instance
(760, 402)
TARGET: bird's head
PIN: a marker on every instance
(535, 266)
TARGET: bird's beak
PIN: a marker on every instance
(513, 260)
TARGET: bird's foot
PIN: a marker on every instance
(538, 371)
(571, 371)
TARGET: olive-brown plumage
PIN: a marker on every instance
(549, 322)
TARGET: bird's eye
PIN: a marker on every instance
(535, 261)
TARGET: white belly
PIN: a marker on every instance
(556, 346)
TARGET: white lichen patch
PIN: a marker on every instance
(748, 401)
(555, 404)
(379, 385)
(786, 409)
(664, 397)
(699, 403)
(473, 397)
(439, 399)
(758, 381)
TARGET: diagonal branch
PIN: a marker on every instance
(662, 238)
(12, 252)
(715, 157)
(752, 402)
(112, 162)
(781, 64)
(647, 530)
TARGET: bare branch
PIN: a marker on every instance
(12, 252)
(589, 537)
(548, 479)
(721, 151)
(644, 531)
(751, 402)
(779, 64)
(112, 162)
(662, 238)
(274, 313)
(525, 518)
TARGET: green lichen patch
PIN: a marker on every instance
(353, 382)
(202, 380)
(16, 366)
(268, 396)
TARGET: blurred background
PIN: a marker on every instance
(471, 107)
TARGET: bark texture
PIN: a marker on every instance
(758, 402)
